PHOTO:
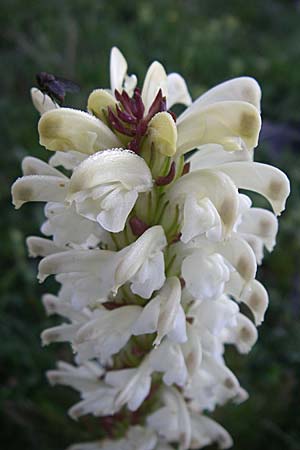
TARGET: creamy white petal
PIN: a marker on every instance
(168, 358)
(99, 403)
(163, 314)
(61, 333)
(173, 420)
(261, 223)
(67, 129)
(243, 335)
(256, 298)
(79, 378)
(39, 188)
(206, 431)
(148, 320)
(38, 246)
(42, 102)
(233, 124)
(55, 305)
(136, 438)
(118, 69)
(92, 262)
(170, 308)
(192, 349)
(211, 155)
(68, 160)
(150, 276)
(266, 180)
(177, 91)
(35, 166)
(240, 255)
(245, 89)
(156, 79)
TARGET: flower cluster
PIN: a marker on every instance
(154, 250)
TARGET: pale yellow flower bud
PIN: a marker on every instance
(98, 102)
(163, 133)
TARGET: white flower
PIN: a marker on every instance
(205, 275)
(142, 263)
(168, 358)
(108, 331)
(164, 314)
(105, 187)
(137, 438)
(173, 420)
(205, 431)
(211, 190)
(69, 228)
(200, 216)
(133, 384)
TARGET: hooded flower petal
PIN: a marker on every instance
(233, 124)
(90, 265)
(105, 186)
(177, 91)
(243, 335)
(68, 160)
(118, 69)
(42, 102)
(211, 155)
(67, 129)
(35, 166)
(244, 89)
(38, 246)
(256, 298)
(206, 431)
(156, 79)
(266, 180)
(39, 188)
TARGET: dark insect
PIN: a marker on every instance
(55, 87)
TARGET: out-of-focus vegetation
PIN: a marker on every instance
(207, 41)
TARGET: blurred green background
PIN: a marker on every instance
(206, 41)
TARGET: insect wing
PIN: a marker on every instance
(68, 85)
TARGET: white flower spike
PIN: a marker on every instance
(153, 253)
